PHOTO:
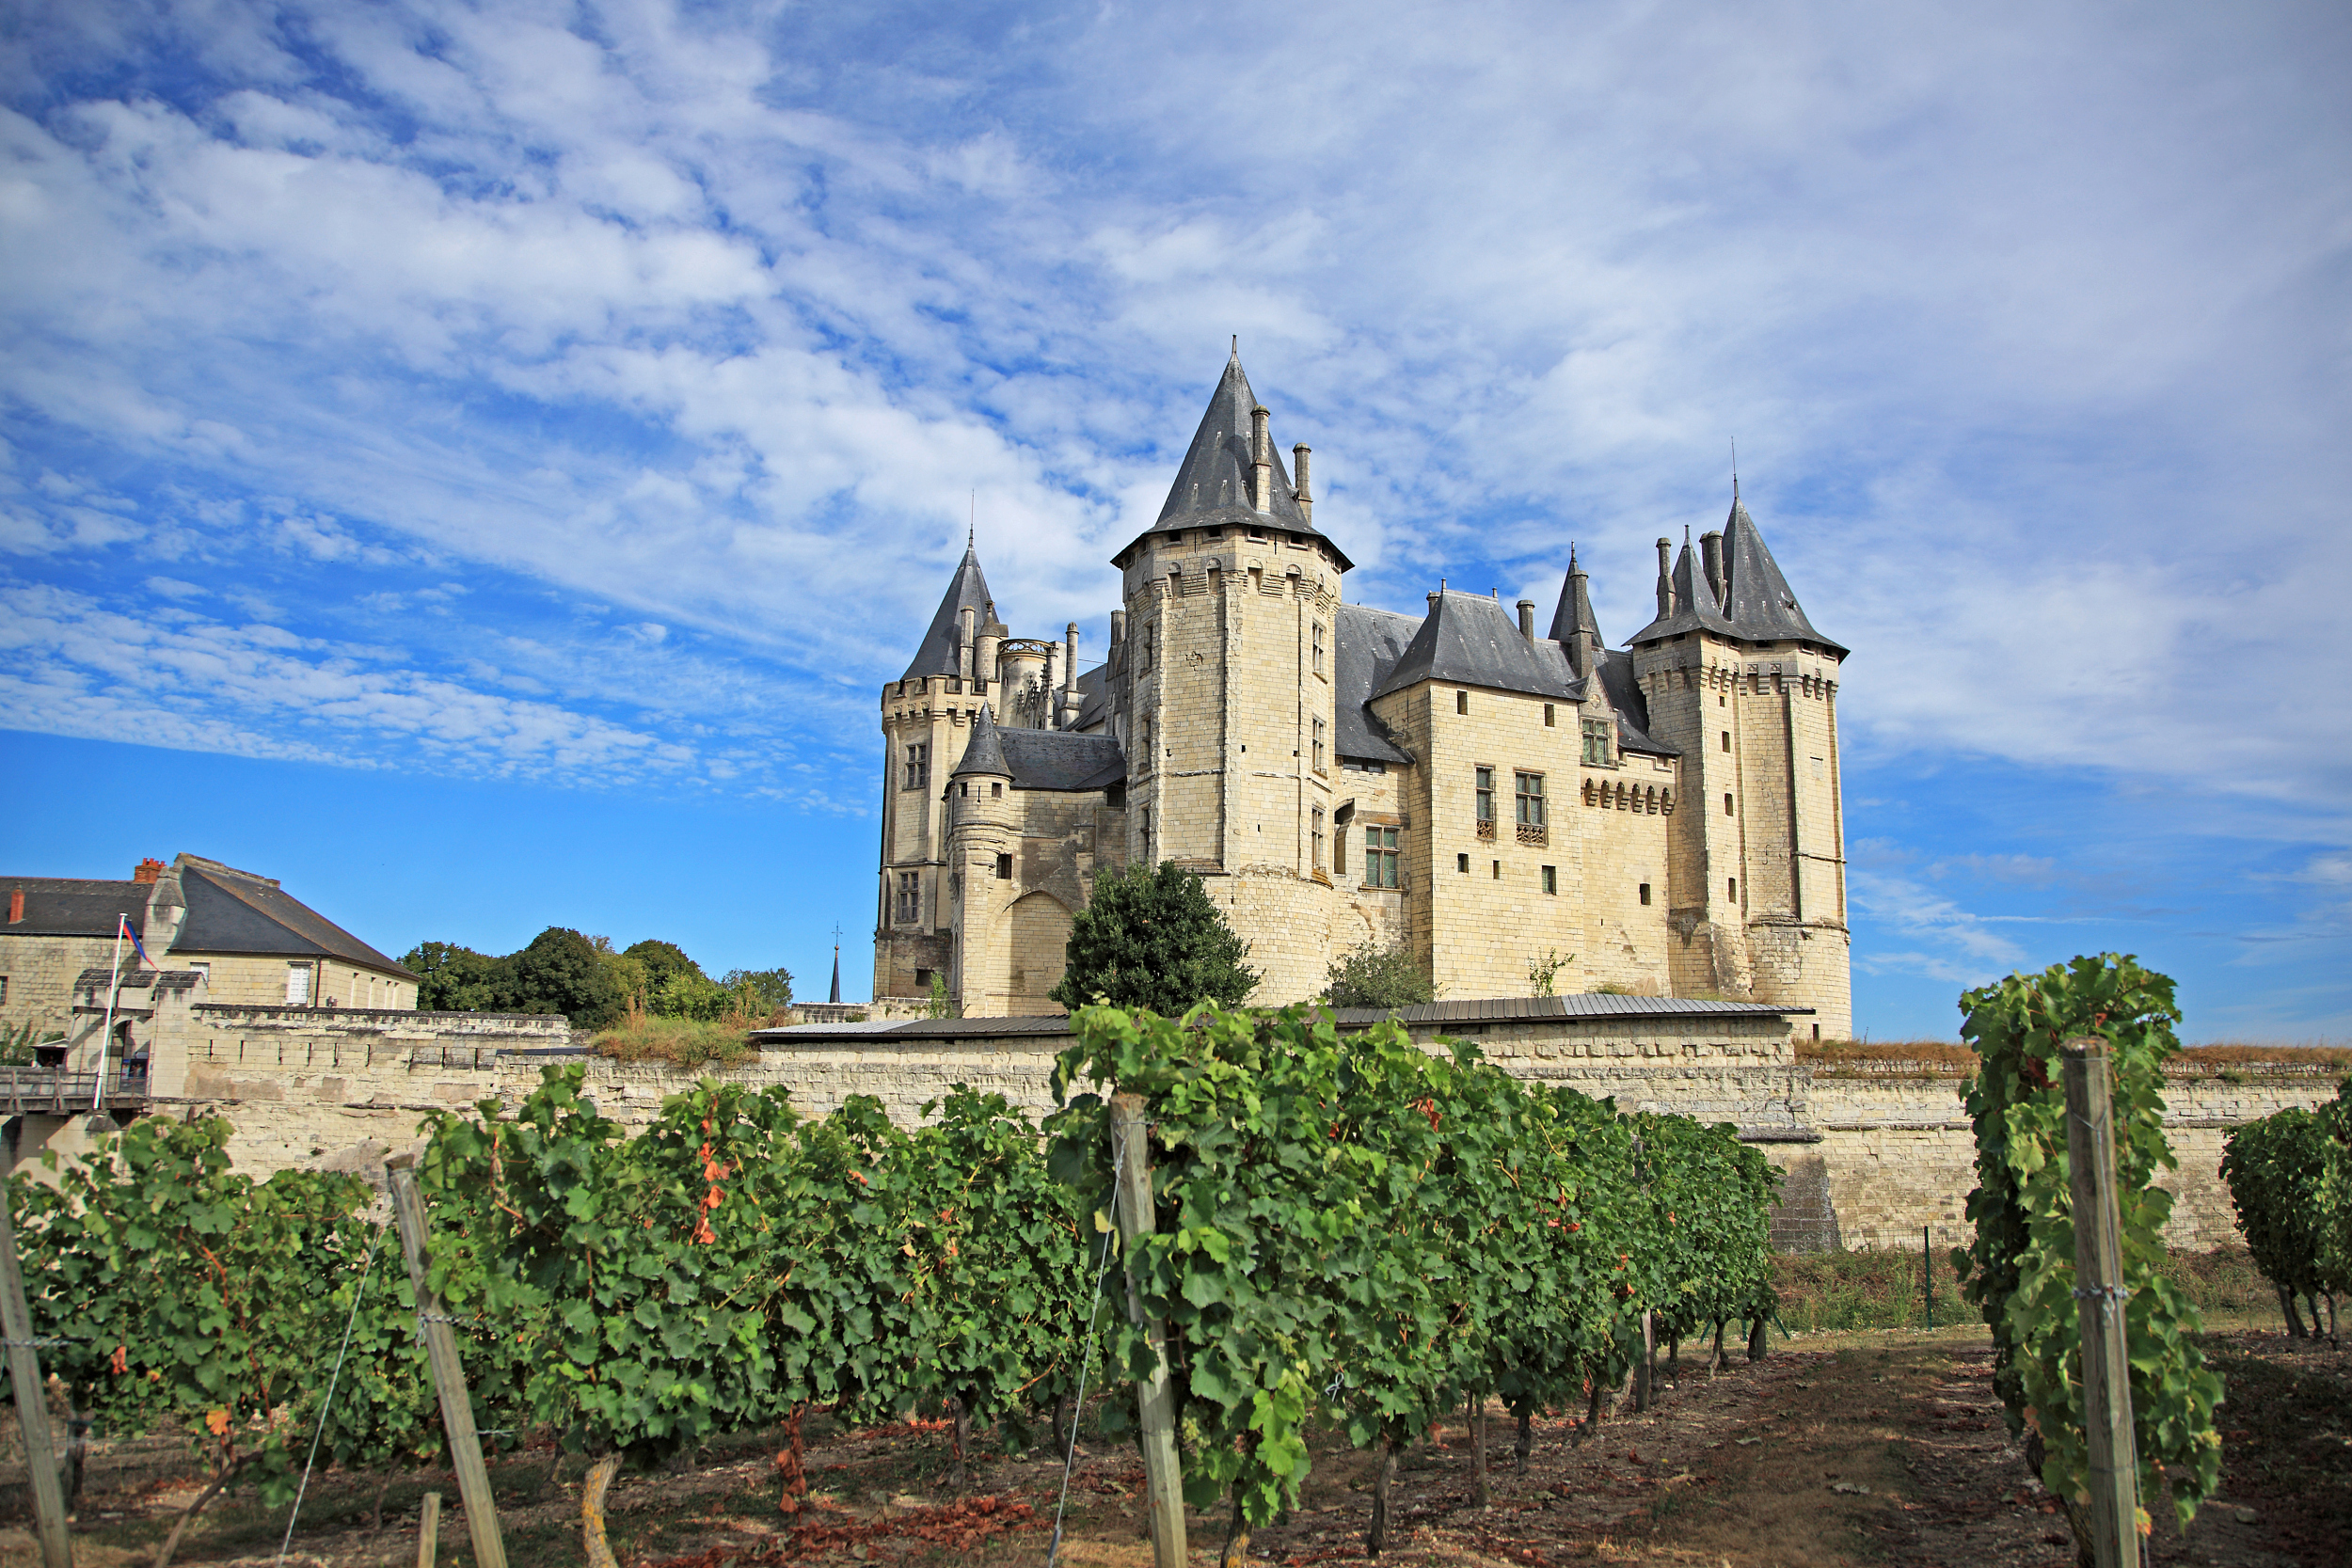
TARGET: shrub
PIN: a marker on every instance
(1374, 977)
(1150, 938)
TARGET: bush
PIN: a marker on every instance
(2276, 1169)
(1150, 938)
(1374, 977)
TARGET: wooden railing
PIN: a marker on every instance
(55, 1091)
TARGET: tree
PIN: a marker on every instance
(759, 992)
(454, 979)
(1150, 938)
(562, 971)
(1374, 977)
(661, 960)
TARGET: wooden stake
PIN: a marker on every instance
(2099, 1296)
(32, 1402)
(1162, 1481)
(449, 1375)
(429, 1529)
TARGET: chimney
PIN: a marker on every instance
(16, 907)
(1666, 580)
(146, 871)
(1260, 461)
(1527, 621)
(1299, 454)
(1711, 552)
(964, 647)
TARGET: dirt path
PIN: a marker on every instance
(1847, 1450)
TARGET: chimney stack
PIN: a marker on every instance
(1527, 621)
(1666, 580)
(1711, 552)
(1260, 461)
(16, 907)
(146, 871)
(1299, 454)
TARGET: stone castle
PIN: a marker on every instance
(1663, 819)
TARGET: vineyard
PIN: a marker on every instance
(1352, 1243)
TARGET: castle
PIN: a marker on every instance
(1663, 819)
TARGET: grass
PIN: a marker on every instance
(1880, 1287)
(682, 1041)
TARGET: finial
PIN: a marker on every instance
(1735, 471)
(972, 524)
(1236, 345)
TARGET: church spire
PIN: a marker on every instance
(942, 643)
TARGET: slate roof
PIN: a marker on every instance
(1094, 698)
(1757, 606)
(1366, 646)
(236, 911)
(75, 905)
(1625, 696)
(1468, 639)
(1574, 613)
(1042, 759)
(966, 590)
(1212, 488)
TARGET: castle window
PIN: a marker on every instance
(1727, 811)
(1461, 863)
(1380, 857)
(1315, 821)
(1645, 892)
(1528, 791)
(1150, 641)
(995, 789)
(910, 897)
(919, 765)
(1497, 877)
(298, 985)
(1731, 889)
(1551, 879)
(1319, 768)
(1547, 717)
(1727, 740)
(1004, 868)
(1600, 742)
(1144, 825)
(1487, 799)
(1147, 738)
(1461, 702)
(1820, 770)
(1318, 647)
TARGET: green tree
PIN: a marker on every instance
(1150, 938)
(661, 960)
(1374, 977)
(759, 992)
(562, 971)
(454, 979)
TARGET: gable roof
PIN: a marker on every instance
(235, 911)
(75, 906)
(1211, 487)
(966, 590)
(1367, 645)
(1467, 638)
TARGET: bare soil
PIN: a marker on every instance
(1852, 1449)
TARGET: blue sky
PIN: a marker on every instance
(478, 463)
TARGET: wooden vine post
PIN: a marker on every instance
(448, 1374)
(1155, 1401)
(32, 1402)
(2099, 1295)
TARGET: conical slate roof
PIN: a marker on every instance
(986, 752)
(1575, 611)
(1758, 600)
(1212, 486)
(968, 590)
(1759, 604)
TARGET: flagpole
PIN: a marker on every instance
(114, 991)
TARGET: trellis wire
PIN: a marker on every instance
(1078, 1405)
(366, 1270)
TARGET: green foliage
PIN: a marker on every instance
(1374, 976)
(454, 979)
(758, 994)
(690, 994)
(1352, 1229)
(661, 961)
(16, 1044)
(239, 1284)
(2277, 1171)
(1543, 972)
(2020, 1270)
(1151, 938)
(940, 1004)
(2335, 1186)
(561, 971)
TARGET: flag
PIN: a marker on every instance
(136, 946)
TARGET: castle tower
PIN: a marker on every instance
(1223, 695)
(928, 716)
(1741, 682)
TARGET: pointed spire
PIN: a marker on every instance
(1573, 617)
(837, 973)
(966, 590)
(985, 754)
(1758, 600)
